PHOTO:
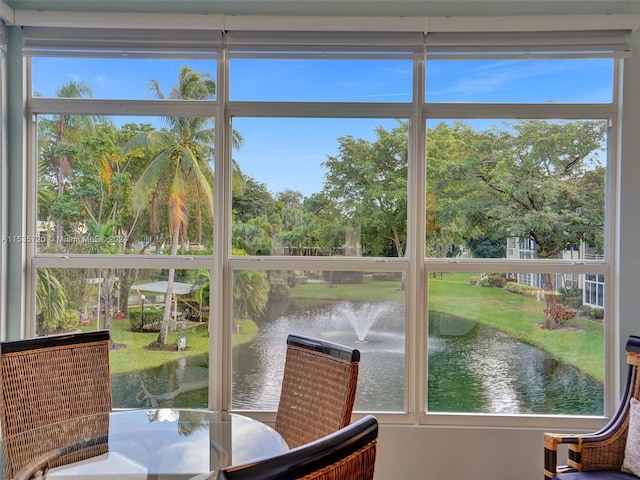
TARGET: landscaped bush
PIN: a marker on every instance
(342, 278)
(498, 281)
(571, 297)
(597, 313)
(141, 318)
(473, 280)
(585, 310)
(387, 276)
(485, 283)
(522, 289)
(69, 320)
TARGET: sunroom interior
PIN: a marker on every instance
(451, 186)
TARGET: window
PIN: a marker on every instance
(458, 235)
(117, 78)
(476, 364)
(320, 80)
(522, 80)
(343, 193)
(105, 184)
(115, 182)
(332, 305)
(528, 191)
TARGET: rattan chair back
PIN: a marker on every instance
(318, 389)
(348, 454)
(45, 381)
(602, 450)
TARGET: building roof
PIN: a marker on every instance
(161, 287)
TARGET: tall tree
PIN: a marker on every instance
(179, 171)
(538, 179)
(57, 135)
(368, 182)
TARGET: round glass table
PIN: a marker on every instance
(140, 444)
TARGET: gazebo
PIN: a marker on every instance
(179, 289)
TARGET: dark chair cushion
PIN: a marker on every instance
(596, 475)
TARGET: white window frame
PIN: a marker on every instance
(415, 264)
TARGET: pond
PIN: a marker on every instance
(472, 368)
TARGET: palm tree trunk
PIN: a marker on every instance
(548, 284)
(167, 316)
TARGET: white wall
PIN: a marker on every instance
(419, 452)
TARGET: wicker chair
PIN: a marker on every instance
(598, 455)
(318, 389)
(47, 380)
(348, 454)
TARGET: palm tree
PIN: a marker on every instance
(179, 170)
(51, 300)
(59, 133)
(250, 293)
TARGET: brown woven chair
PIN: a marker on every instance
(598, 455)
(348, 454)
(47, 380)
(318, 389)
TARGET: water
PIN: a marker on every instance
(472, 368)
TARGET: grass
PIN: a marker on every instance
(135, 356)
(579, 345)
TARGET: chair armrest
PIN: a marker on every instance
(43, 462)
(600, 450)
(39, 464)
(551, 442)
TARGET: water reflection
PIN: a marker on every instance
(487, 371)
(472, 368)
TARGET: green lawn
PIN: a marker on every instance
(580, 345)
(136, 357)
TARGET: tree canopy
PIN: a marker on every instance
(152, 188)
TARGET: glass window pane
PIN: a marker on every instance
(490, 350)
(350, 308)
(528, 189)
(588, 80)
(321, 187)
(118, 78)
(111, 185)
(320, 80)
(130, 303)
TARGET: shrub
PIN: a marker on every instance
(585, 310)
(485, 283)
(597, 313)
(473, 280)
(496, 281)
(68, 320)
(572, 302)
(387, 276)
(140, 319)
(522, 289)
(571, 297)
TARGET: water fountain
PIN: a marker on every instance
(360, 317)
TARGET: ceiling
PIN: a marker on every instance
(337, 7)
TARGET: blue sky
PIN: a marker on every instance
(287, 153)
